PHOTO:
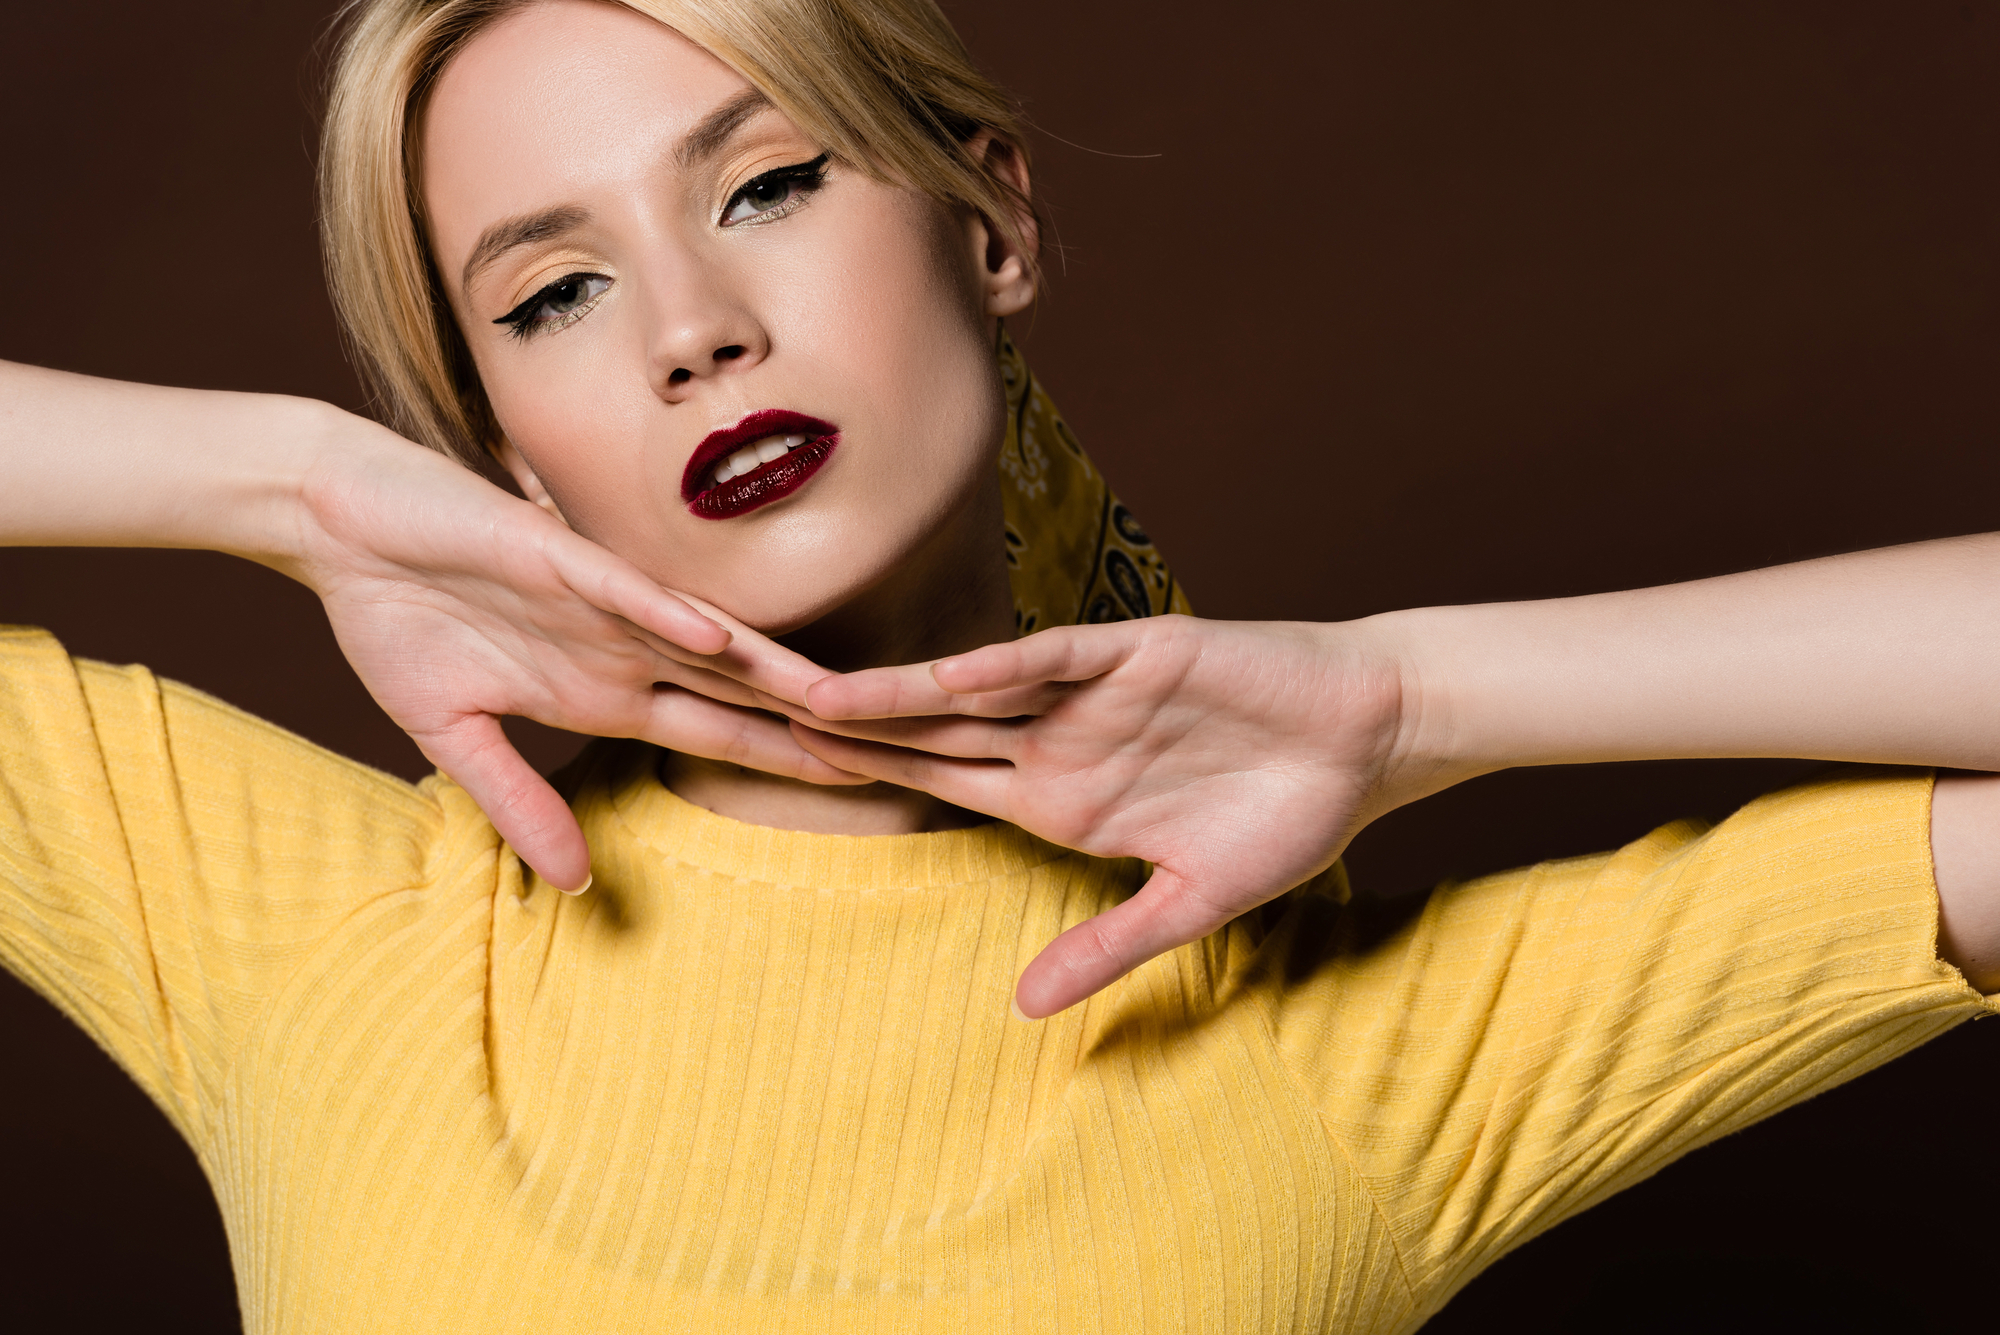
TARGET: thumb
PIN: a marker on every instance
(534, 820)
(1092, 955)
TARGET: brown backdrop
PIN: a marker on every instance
(1362, 305)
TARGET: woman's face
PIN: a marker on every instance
(764, 378)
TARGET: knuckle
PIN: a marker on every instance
(1099, 942)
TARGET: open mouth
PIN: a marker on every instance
(767, 456)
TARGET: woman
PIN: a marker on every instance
(415, 1075)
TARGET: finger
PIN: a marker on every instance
(998, 681)
(617, 587)
(977, 740)
(755, 659)
(647, 662)
(912, 692)
(1061, 653)
(698, 726)
(888, 692)
(534, 820)
(964, 738)
(1016, 701)
(708, 682)
(1165, 914)
(978, 785)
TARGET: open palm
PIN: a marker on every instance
(458, 603)
(1238, 758)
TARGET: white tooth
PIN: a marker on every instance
(767, 450)
(793, 442)
(723, 472)
(744, 459)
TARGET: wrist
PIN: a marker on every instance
(284, 443)
(322, 496)
(1427, 747)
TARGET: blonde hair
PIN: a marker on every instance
(885, 86)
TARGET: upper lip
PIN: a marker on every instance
(720, 444)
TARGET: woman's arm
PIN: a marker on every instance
(1889, 656)
(1965, 858)
(1241, 758)
(456, 602)
(92, 462)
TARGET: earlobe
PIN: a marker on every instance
(1010, 285)
(524, 475)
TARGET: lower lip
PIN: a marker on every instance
(765, 483)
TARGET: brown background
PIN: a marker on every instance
(1361, 306)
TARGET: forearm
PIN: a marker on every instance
(1886, 656)
(1889, 656)
(92, 462)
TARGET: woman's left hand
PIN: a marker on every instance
(1237, 757)
(1240, 757)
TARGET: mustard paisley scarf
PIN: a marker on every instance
(1074, 554)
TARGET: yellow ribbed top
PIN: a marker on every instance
(762, 1080)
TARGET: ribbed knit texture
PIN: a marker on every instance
(761, 1080)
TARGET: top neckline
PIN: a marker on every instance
(653, 815)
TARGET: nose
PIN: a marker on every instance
(703, 330)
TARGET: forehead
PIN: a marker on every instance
(557, 102)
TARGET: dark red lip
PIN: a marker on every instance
(765, 483)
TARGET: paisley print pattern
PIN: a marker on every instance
(1074, 554)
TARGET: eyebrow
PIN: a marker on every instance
(704, 141)
(525, 230)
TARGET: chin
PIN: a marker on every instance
(778, 593)
(779, 617)
(867, 551)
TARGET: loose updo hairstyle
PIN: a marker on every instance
(884, 86)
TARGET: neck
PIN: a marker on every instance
(950, 596)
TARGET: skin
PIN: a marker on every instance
(457, 603)
(1237, 757)
(863, 303)
(1240, 758)
(705, 322)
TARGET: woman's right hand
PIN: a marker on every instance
(458, 603)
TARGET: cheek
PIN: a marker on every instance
(874, 321)
(923, 302)
(580, 416)
(898, 311)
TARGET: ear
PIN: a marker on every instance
(1006, 270)
(524, 475)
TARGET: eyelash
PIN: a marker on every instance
(807, 176)
(524, 323)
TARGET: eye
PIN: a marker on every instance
(775, 193)
(561, 303)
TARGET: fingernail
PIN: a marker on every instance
(587, 879)
(1019, 1014)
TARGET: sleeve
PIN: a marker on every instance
(1517, 1048)
(165, 860)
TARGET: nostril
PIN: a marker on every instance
(680, 376)
(730, 353)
